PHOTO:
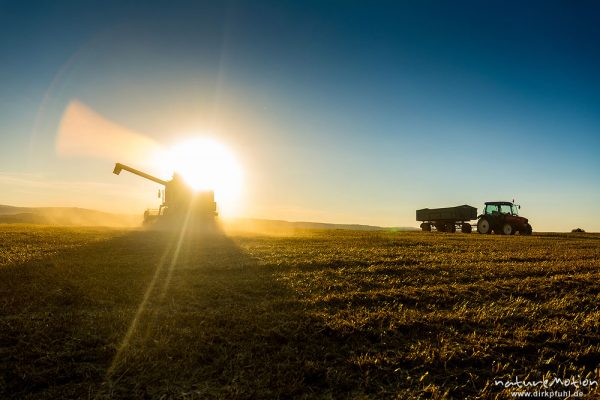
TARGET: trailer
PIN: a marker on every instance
(447, 219)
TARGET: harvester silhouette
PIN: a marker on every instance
(179, 201)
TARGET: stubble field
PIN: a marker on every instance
(102, 313)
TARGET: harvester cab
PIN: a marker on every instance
(180, 201)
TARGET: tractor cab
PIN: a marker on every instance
(501, 207)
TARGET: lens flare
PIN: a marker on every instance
(85, 133)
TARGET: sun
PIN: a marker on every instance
(206, 164)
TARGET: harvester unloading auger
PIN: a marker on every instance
(180, 202)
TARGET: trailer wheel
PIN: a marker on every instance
(465, 228)
(450, 227)
(440, 227)
(483, 226)
(507, 229)
(426, 227)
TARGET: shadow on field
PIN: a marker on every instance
(149, 314)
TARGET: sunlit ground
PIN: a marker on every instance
(112, 313)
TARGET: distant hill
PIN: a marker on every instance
(283, 227)
(87, 217)
(65, 216)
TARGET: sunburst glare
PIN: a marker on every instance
(206, 164)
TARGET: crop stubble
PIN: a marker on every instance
(330, 314)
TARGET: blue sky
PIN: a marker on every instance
(357, 112)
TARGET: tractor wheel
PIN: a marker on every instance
(483, 226)
(450, 227)
(426, 227)
(527, 230)
(465, 228)
(507, 229)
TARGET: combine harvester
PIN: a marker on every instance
(498, 216)
(180, 204)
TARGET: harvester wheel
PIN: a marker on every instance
(527, 231)
(426, 227)
(483, 226)
(507, 229)
(465, 228)
(450, 227)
